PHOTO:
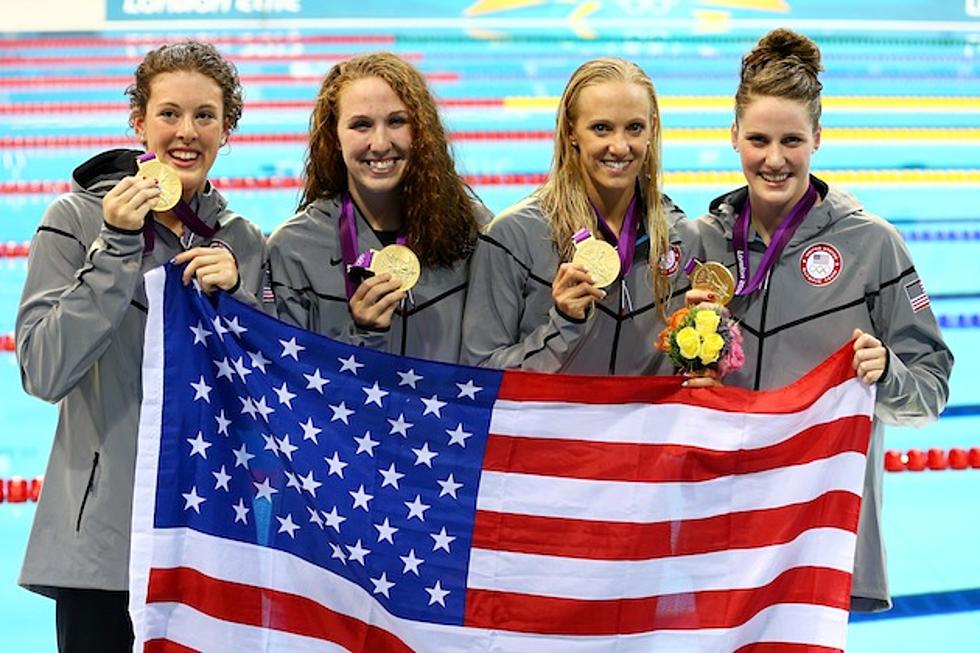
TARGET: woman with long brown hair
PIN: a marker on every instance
(530, 305)
(379, 174)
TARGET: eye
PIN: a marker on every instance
(600, 128)
(360, 124)
(398, 121)
(756, 139)
(206, 115)
(792, 140)
(167, 113)
(636, 128)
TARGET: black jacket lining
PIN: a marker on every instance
(62, 233)
(543, 346)
(490, 240)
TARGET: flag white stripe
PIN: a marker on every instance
(620, 501)
(283, 572)
(679, 424)
(577, 578)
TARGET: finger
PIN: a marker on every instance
(702, 382)
(189, 254)
(696, 296)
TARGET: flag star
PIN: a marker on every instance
(468, 389)
(349, 364)
(202, 390)
(433, 405)
(200, 334)
(382, 585)
(416, 508)
(261, 407)
(361, 498)
(218, 328)
(248, 406)
(221, 478)
(270, 444)
(287, 526)
(358, 552)
(286, 448)
(437, 594)
(310, 430)
(423, 456)
(400, 425)
(291, 348)
(310, 484)
(315, 381)
(366, 444)
(332, 519)
(264, 490)
(341, 412)
(258, 360)
(336, 465)
(285, 396)
(242, 456)
(390, 476)
(315, 517)
(458, 436)
(234, 326)
(449, 486)
(338, 553)
(409, 378)
(374, 394)
(241, 512)
(224, 368)
(193, 501)
(411, 562)
(240, 368)
(442, 540)
(223, 423)
(385, 531)
(199, 446)
(292, 481)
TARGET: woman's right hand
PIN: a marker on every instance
(375, 301)
(696, 296)
(574, 290)
(126, 205)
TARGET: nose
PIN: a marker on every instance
(186, 129)
(619, 145)
(380, 139)
(775, 157)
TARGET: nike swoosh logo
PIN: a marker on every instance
(337, 261)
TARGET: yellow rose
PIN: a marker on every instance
(689, 342)
(706, 322)
(711, 347)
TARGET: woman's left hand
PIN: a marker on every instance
(213, 267)
(870, 357)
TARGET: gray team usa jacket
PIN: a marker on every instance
(79, 338)
(844, 268)
(307, 278)
(511, 320)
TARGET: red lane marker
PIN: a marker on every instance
(13, 250)
(274, 105)
(216, 39)
(92, 81)
(7, 342)
(113, 59)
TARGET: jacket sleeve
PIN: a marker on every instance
(915, 387)
(250, 254)
(74, 299)
(496, 302)
(286, 278)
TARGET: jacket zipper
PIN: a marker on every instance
(762, 331)
(88, 491)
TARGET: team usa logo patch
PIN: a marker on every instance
(916, 293)
(670, 261)
(820, 264)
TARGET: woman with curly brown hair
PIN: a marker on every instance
(530, 306)
(378, 173)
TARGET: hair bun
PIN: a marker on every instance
(781, 45)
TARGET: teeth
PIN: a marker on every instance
(382, 166)
(616, 165)
(775, 178)
(184, 156)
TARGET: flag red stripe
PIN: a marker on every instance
(260, 606)
(166, 646)
(786, 647)
(534, 386)
(650, 463)
(708, 609)
(603, 540)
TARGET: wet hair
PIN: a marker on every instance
(563, 196)
(188, 56)
(783, 64)
(439, 216)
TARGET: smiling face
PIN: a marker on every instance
(184, 125)
(375, 137)
(611, 130)
(775, 138)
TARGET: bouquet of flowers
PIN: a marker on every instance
(702, 340)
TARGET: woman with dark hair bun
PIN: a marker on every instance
(379, 174)
(81, 320)
(815, 270)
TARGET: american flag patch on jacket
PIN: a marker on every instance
(916, 293)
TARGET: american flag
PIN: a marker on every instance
(295, 493)
(916, 292)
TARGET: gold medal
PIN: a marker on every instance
(400, 261)
(170, 186)
(600, 258)
(714, 277)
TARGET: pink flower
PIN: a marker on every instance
(734, 357)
